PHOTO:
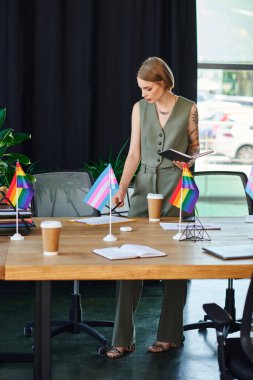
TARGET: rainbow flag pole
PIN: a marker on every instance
(20, 193)
(17, 235)
(179, 234)
(180, 212)
(184, 196)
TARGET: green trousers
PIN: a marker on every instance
(128, 293)
(170, 327)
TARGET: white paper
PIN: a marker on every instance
(248, 219)
(170, 226)
(175, 226)
(100, 220)
(128, 251)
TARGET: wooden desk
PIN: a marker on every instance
(4, 244)
(184, 260)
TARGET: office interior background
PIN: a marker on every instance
(68, 74)
(68, 77)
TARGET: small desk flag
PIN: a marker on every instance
(20, 191)
(105, 185)
(190, 192)
(249, 186)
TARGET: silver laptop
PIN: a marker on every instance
(243, 251)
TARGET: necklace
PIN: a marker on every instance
(163, 112)
(166, 112)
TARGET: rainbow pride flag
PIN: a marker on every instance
(99, 193)
(20, 191)
(249, 185)
(190, 192)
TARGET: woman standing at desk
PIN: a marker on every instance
(160, 121)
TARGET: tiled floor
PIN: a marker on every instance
(74, 356)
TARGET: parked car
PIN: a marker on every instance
(243, 100)
(215, 114)
(235, 141)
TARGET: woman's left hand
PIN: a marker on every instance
(180, 164)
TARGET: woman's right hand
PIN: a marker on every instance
(118, 198)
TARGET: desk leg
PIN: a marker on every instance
(42, 339)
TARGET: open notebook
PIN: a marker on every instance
(244, 251)
(128, 251)
(175, 155)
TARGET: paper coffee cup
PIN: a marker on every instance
(50, 236)
(154, 206)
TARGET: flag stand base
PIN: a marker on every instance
(110, 237)
(178, 236)
(195, 231)
(17, 236)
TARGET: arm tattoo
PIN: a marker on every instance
(193, 134)
(195, 118)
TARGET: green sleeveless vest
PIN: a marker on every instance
(155, 139)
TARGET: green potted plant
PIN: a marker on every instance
(118, 162)
(9, 138)
(96, 168)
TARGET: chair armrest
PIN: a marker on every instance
(217, 314)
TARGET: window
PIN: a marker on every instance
(225, 83)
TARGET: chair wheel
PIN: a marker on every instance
(28, 331)
(202, 329)
(101, 351)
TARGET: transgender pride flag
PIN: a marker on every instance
(105, 187)
(249, 186)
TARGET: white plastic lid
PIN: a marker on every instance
(50, 224)
(154, 196)
(126, 229)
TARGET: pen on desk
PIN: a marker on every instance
(114, 208)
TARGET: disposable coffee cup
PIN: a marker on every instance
(154, 206)
(50, 236)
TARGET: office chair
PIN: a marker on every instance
(222, 193)
(61, 194)
(235, 355)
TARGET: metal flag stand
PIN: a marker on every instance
(195, 231)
